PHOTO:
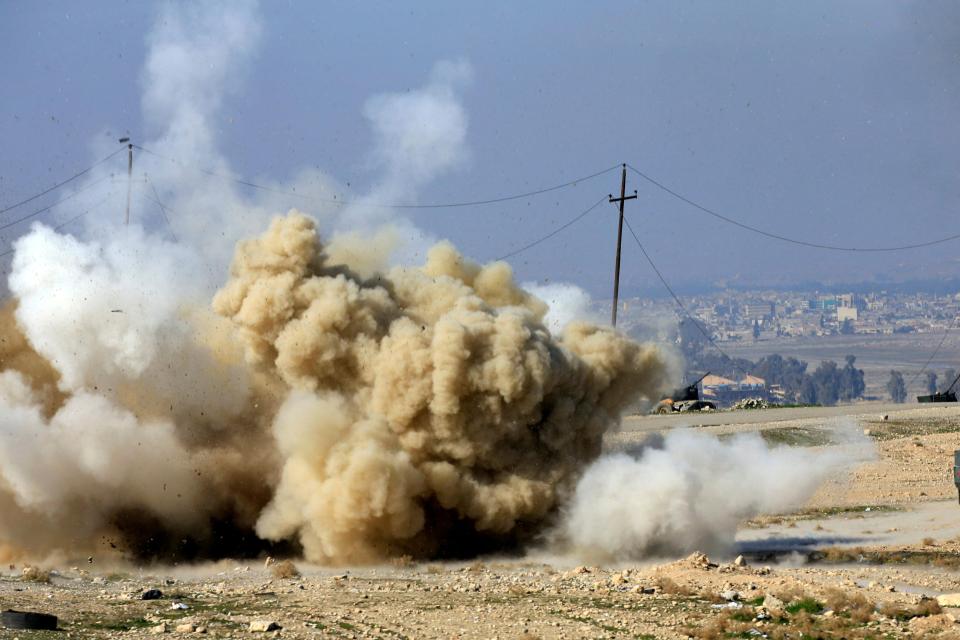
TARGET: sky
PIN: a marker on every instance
(830, 122)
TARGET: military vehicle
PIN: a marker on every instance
(685, 399)
(942, 396)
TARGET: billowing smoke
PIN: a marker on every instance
(567, 303)
(358, 398)
(688, 491)
(422, 391)
(359, 416)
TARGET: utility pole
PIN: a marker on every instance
(616, 271)
(126, 219)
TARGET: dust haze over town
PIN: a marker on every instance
(307, 329)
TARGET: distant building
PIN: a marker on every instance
(753, 383)
(822, 303)
(850, 300)
(726, 392)
(847, 313)
(757, 310)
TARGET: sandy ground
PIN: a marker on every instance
(861, 560)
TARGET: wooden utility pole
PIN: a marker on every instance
(126, 219)
(616, 270)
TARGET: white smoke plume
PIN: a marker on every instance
(419, 136)
(688, 491)
(567, 303)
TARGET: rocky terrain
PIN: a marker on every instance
(875, 554)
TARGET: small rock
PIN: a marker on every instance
(264, 625)
(158, 629)
(949, 600)
(699, 560)
(740, 561)
(200, 629)
(151, 594)
(730, 595)
(185, 628)
(773, 604)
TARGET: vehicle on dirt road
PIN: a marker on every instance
(685, 399)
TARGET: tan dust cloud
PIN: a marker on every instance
(323, 402)
(16, 354)
(421, 399)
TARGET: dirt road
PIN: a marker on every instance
(865, 410)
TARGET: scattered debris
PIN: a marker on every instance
(751, 403)
(34, 574)
(728, 605)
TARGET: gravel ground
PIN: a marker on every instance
(832, 570)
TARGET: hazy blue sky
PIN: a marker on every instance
(829, 121)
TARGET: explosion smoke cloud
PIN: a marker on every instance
(688, 491)
(436, 388)
(401, 405)
(329, 398)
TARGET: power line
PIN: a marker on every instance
(670, 290)
(381, 205)
(55, 204)
(935, 352)
(60, 184)
(66, 222)
(570, 222)
(163, 210)
(775, 236)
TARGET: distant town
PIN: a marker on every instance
(806, 347)
(743, 316)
